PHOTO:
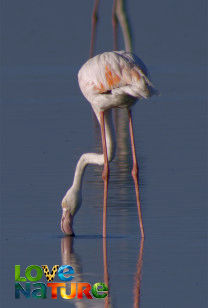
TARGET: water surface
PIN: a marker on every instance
(47, 125)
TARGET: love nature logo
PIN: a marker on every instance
(37, 289)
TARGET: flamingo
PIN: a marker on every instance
(115, 79)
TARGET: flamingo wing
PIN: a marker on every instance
(114, 70)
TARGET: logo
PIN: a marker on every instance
(30, 285)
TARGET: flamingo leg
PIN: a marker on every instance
(115, 26)
(135, 172)
(105, 174)
(93, 29)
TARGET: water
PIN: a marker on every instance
(47, 125)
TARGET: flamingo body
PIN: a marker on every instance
(114, 79)
(109, 80)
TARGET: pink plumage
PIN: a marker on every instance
(114, 79)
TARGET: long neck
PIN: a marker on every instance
(94, 158)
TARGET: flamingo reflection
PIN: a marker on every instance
(118, 15)
(138, 276)
(70, 257)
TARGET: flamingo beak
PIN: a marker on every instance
(67, 222)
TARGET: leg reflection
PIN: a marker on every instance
(137, 286)
(69, 257)
(93, 30)
(106, 276)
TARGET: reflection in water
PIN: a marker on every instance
(94, 23)
(106, 277)
(138, 276)
(118, 14)
(122, 164)
(120, 115)
(69, 257)
(121, 15)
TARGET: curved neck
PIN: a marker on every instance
(94, 158)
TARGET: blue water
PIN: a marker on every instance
(47, 124)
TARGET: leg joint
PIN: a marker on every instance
(135, 171)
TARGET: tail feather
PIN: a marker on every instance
(150, 88)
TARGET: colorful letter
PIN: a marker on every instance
(73, 292)
(99, 287)
(81, 285)
(42, 290)
(62, 274)
(38, 270)
(19, 288)
(47, 273)
(17, 274)
(54, 286)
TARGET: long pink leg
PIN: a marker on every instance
(93, 29)
(135, 172)
(115, 26)
(105, 174)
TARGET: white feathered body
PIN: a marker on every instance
(114, 79)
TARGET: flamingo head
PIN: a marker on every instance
(70, 205)
(67, 222)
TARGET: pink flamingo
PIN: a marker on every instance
(108, 80)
